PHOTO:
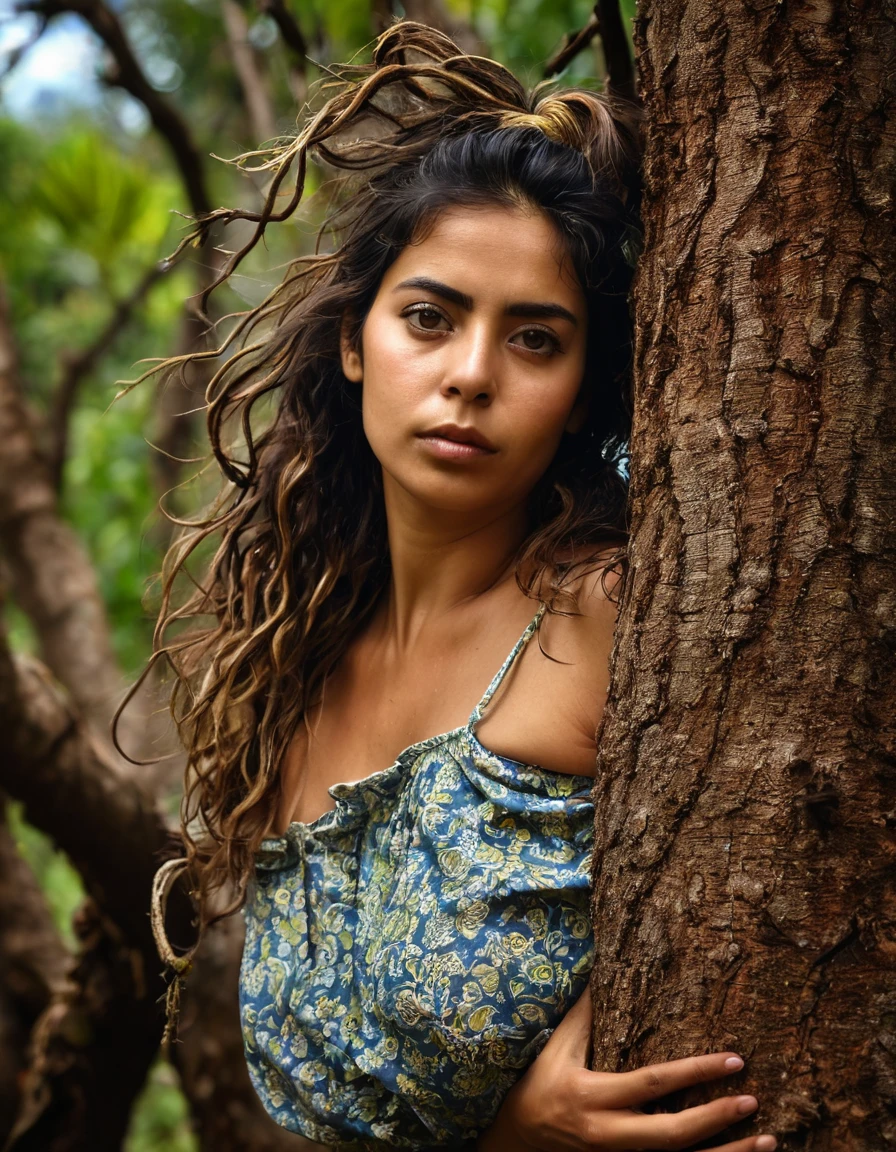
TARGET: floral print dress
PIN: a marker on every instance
(409, 952)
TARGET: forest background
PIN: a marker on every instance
(100, 155)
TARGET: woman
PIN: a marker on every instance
(439, 483)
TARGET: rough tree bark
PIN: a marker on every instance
(745, 894)
(100, 1029)
(33, 965)
(51, 577)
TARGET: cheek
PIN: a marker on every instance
(544, 409)
(393, 386)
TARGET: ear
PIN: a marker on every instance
(352, 365)
(577, 416)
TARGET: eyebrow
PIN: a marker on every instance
(541, 311)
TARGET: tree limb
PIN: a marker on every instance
(33, 964)
(605, 21)
(262, 122)
(617, 53)
(573, 44)
(77, 365)
(128, 75)
(112, 831)
(53, 581)
(91, 1048)
(17, 54)
(94, 1043)
(289, 29)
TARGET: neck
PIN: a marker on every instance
(440, 560)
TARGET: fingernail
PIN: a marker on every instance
(734, 1064)
(747, 1104)
(766, 1144)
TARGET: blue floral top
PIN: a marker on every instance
(408, 953)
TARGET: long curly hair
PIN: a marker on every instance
(299, 526)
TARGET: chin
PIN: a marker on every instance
(454, 494)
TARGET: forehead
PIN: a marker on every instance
(514, 253)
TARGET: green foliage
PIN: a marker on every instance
(102, 204)
(110, 499)
(161, 1119)
(60, 882)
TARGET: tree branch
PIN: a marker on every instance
(262, 122)
(33, 964)
(617, 54)
(77, 365)
(128, 75)
(289, 30)
(53, 581)
(17, 54)
(605, 21)
(573, 44)
(91, 1048)
(295, 40)
(94, 1043)
(79, 1091)
(112, 831)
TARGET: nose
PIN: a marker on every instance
(470, 368)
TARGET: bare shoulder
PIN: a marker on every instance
(591, 592)
(580, 630)
(557, 696)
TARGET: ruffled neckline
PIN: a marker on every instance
(357, 796)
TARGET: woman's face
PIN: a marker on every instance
(471, 360)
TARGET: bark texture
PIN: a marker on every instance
(96, 1038)
(33, 964)
(745, 890)
(54, 583)
(99, 1030)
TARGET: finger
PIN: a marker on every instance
(571, 1039)
(624, 1129)
(629, 1089)
(751, 1144)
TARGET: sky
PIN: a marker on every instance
(59, 73)
(59, 70)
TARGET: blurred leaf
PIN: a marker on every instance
(161, 1118)
(60, 882)
(103, 202)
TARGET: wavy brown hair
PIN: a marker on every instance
(299, 527)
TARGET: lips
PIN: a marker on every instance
(459, 434)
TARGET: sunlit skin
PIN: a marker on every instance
(457, 334)
(482, 325)
(496, 343)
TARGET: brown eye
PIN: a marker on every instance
(428, 318)
(424, 318)
(538, 340)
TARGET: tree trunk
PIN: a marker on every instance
(745, 894)
(33, 965)
(96, 1038)
(55, 585)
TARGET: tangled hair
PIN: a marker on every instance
(301, 554)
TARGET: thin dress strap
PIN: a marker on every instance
(531, 628)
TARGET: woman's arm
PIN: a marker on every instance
(559, 1106)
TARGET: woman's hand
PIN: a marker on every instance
(560, 1106)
